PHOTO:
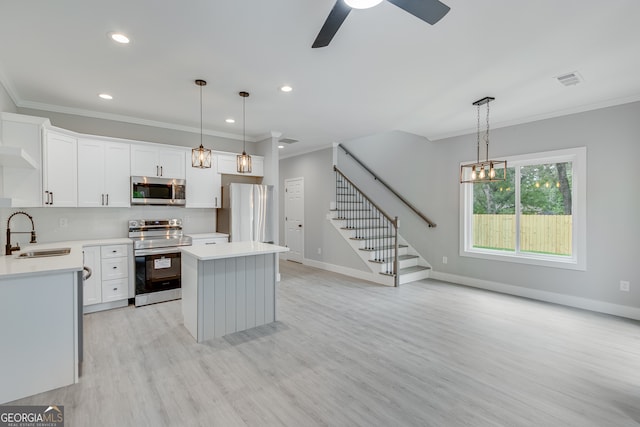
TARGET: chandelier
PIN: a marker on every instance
(483, 171)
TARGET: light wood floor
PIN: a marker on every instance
(349, 353)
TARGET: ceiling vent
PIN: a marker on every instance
(570, 79)
(288, 141)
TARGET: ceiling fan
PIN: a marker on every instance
(430, 11)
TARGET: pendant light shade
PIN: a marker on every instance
(487, 170)
(201, 157)
(362, 4)
(243, 160)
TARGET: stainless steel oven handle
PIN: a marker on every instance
(156, 251)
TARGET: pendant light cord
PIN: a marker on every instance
(201, 116)
(244, 125)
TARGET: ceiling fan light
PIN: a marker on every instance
(362, 4)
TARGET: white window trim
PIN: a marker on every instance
(578, 260)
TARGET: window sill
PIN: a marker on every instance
(567, 263)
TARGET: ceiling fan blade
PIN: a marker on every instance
(336, 17)
(430, 11)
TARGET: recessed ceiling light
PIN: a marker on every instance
(119, 37)
(230, 120)
(280, 146)
(286, 88)
(105, 96)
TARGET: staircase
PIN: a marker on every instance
(374, 236)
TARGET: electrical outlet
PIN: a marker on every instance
(624, 286)
(444, 260)
(319, 251)
(63, 223)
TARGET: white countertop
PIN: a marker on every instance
(231, 250)
(208, 235)
(12, 266)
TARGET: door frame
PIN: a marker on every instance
(286, 205)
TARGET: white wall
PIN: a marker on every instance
(319, 185)
(99, 223)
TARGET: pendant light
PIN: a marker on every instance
(201, 157)
(483, 171)
(244, 160)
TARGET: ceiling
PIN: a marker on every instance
(384, 70)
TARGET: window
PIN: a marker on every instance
(536, 216)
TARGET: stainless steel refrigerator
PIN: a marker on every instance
(247, 213)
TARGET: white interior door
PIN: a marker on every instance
(294, 216)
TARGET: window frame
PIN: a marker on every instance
(578, 259)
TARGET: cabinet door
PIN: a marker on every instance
(172, 163)
(91, 167)
(60, 170)
(144, 160)
(117, 175)
(203, 186)
(257, 166)
(92, 287)
(227, 164)
(22, 185)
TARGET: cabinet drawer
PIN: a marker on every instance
(114, 268)
(209, 241)
(114, 290)
(113, 251)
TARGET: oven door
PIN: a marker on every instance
(157, 272)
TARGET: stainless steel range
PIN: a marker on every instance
(156, 250)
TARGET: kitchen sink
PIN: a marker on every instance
(39, 253)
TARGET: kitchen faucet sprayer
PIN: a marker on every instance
(10, 249)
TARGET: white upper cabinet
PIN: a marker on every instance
(227, 164)
(21, 181)
(156, 160)
(60, 171)
(103, 173)
(203, 185)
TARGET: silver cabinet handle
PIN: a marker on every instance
(46, 200)
(107, 199)
(51, 197)
(157, 170)
(161, 172)
(89, 273)
(102, 203)
(215, 203)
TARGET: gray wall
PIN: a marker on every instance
(6, 104)
(426, 173)
(316, 169)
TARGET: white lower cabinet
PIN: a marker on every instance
(108, 286)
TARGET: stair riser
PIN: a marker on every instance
(412, 277)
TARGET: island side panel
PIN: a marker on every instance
(230, 296)
(220, 297)
(241, 293)
(250, 276)
(270, 289)
(191, 280)
(37, 329)
(260, 291)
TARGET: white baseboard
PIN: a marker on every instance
(351, 272)
(568, 300)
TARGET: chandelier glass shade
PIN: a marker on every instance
(201, 157)
(486, 170)
(243, 160)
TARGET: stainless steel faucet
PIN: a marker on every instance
(10, 249)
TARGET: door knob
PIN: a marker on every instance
(300, 225)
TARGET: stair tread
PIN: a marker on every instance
(363, 228)
(382, 248)
(413, 269)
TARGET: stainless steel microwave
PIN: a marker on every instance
(157, 191)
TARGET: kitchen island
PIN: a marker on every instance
(228, 287)
(40, 322)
